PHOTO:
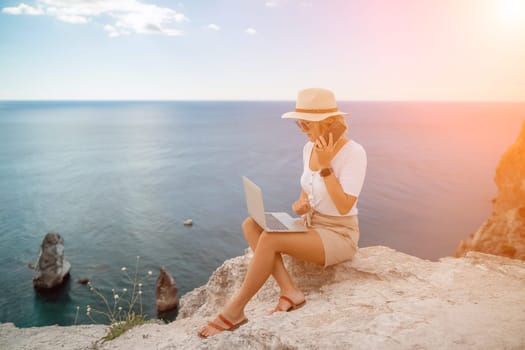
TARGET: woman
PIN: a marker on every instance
(334, 172)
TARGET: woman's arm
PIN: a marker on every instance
(302, 205)
(343, 202)
(325, 150)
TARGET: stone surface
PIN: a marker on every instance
(49, 338)
(166, 292)
(383, 299)
(83, 281)
(504, 232)
(51, 269)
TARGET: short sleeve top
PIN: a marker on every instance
(349, 166)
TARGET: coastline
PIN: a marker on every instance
(383, 298)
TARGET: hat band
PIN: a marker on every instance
(329, 110)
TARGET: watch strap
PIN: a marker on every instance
(325, 172)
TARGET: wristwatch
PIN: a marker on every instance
(325, 172)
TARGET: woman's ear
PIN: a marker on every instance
(329, 121)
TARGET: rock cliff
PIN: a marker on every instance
(383, 299)
(504, 232)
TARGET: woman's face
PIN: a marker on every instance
(312, 129)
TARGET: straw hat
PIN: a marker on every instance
(314, 104)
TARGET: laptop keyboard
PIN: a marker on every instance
(273, 223)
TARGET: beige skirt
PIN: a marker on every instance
(340, 235)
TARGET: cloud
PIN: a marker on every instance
(73, 19)
(214, 27)
(270, 4)
(250, 31)
(112, 31)
(23, 9)
(124, 16)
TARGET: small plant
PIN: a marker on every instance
(76, 315)
(124, 309)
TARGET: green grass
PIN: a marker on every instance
(118, 328)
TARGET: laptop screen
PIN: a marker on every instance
(254, 201)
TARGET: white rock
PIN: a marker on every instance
(382, 300)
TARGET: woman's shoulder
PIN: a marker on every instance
(354, 148)
(352, 153)
(307, 150)
(308, 146)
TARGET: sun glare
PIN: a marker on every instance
(512, 11)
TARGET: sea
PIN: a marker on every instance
(117, 179)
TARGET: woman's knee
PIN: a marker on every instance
(250, 228)
(267, 241)
(249, 225)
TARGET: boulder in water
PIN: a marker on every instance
(166, 292)
(52, 270)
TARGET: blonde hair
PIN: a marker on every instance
(325, 123)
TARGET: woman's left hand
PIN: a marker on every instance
(325, 150)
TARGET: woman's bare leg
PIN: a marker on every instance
(252, 232)
(305, 246)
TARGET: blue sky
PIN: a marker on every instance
(262, 50)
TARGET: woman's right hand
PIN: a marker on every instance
(301, 206)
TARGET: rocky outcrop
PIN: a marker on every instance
(52, 269)
(51, 337)
(383, 299)
(504, 232)
(166, 292)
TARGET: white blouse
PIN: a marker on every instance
(349, 166)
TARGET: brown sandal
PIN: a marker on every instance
(230, 325)
(293, 306)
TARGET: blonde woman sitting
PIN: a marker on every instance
(333, 175)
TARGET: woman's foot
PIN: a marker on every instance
(223, 322)
(289, 301)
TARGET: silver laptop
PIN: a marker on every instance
(271, 222)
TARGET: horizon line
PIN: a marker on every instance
(253, 100)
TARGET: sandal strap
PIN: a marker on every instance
(284, 297)
(226, 321)
(216, 326)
